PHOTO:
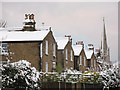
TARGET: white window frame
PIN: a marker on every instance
(77, 61)
(84, 61)
(54, 50)
(91, 62)
(46, 47)
(41, 50)
(54, 64)
(2, 50)
(46, 66)
(94, 63)
(66, 54)
(71, 55)
(80, 60)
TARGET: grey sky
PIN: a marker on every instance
(81, 20)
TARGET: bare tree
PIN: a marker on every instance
(3, 23)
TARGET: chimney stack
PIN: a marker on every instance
(29, 23)
(80, 43)
(69, 37)
(90, 47)
(26, 16)
(32, 16)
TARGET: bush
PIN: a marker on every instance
(20, 75)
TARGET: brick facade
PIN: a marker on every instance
(49, 58)
(24, 51)
(80, 64)
(30, 51)
(44, 54)
(69, 63)
(84, 61)
(92, 63)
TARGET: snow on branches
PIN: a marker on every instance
(110, 77)
(20, 75)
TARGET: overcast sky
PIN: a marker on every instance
(83, 21)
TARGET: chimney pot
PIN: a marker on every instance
(29, 16)
(26, 16)
(29, 25)
(32, 16)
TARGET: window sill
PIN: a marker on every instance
(54, 56)
(46, 54)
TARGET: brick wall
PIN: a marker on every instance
(30, 51)
(60, 59)
(82, 67)
(24, 51)
(48, 58)
(68, 63)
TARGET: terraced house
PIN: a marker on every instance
(91, 60)
(43, 50)
(80, 61)
(65, 53)
(36, 46)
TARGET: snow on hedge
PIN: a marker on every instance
(20, 75)
(110, 77)
(72, 76)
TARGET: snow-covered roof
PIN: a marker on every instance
(88, 53)
(61, 42)
(11, 29)
(20, 28)
(23, 35)
(77, 49)
(43, 28)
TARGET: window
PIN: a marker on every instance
(91, 62)
(71, 55)
(46, 47)
(77, 61)
(94, 63)
(41, 50)
(54, 49)
(54, 65)
(84, 61)
(80, 60)
(4, 48)
(46, 66)
(66, 54)
(62, 52)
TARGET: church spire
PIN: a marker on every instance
(104, 39)
(101, 43)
